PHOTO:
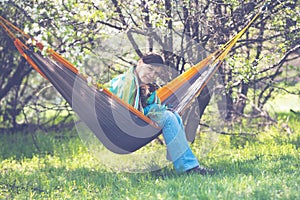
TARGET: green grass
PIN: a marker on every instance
(59, 166)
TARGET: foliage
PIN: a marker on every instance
(58, 166)
(104, 37)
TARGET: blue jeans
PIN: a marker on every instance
(178, 149)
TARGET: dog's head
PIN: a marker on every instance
(145, 92)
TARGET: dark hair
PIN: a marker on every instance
(153, 59)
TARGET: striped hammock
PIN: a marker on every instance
(119, 126)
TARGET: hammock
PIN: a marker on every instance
(119, 126)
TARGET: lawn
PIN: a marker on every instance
(59, 166)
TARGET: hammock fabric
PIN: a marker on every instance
(119, 126)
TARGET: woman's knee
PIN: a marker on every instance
(171, 117)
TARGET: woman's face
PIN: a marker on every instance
(147, 73)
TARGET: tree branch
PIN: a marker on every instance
(226, 133)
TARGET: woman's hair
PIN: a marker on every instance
(153, 59)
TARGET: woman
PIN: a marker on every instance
(128, 86)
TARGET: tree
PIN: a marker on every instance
(250, 75)
(184, 31)
(14, 79)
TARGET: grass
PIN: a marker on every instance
(59, 166)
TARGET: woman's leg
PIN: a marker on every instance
(177, 146)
